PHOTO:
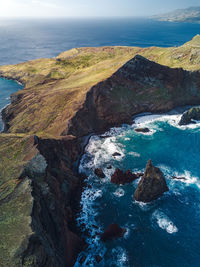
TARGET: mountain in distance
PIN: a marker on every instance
(191, 14)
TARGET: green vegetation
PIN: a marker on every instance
(15, 197)
(56, 88)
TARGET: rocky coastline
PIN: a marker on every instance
(50, 165)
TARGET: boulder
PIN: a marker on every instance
(116, 154)
(113, 231)
(120, 177)
(152, 184)
(142, 130)
(98, 172)
(109, 167)
(178, 178)
(190, 115)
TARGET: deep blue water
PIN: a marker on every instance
(22, 40)
(163, 233)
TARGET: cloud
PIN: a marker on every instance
(44, 4)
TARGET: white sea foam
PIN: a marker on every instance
(188, 178)
(120, 256)
(164, 222)
(119, 192)
(134, 154)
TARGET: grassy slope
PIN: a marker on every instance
(15, 197)
(56, 88)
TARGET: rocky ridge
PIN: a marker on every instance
(152, 184)
(45, 126)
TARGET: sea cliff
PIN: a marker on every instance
(82, 91)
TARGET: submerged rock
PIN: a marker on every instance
(178, 178)
(98, 172)
(109, 167)
(116, 154)
(152, 184)
(190, 115)
(98, 258)
(113, 231)
(142, 130)
(120, 177)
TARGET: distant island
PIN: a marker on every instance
(191, 14)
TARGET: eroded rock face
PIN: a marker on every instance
(138, 86)
(120, 177)
(190, 115)
(152, 184)
(113, 231)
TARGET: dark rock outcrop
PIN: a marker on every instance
(138, 86)
(120, 177)
(116, 154)
(190, 115)
(179, 178)
(142, 130)
(113, 232)
(98, 172)
(152, 184)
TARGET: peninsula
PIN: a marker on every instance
(191, 14)
(79, 92)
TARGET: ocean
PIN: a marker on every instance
(165, 232)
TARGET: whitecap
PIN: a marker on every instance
(134, 154)
(164, 222)
(119, 192)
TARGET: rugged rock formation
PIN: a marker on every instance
(152, 184)
(138, 86)
(38, 197)
(98, 172)
(142, 130)
(113, 232)
(82, 91)
(119, 177)
(190, 115)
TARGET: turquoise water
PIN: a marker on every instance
(7, 87)
(163, 233)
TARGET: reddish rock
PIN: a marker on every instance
(119, 177)
(98, 172)
(113, 232)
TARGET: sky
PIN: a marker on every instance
(90, 8)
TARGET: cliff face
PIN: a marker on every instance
(55, 89)
(37, 201)
(138, 86)
(81, 91)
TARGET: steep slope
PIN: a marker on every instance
(138, 86)
(55, 89)
(36, 190)
(81, 91)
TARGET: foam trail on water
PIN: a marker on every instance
(164, 222)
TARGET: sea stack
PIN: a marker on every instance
(152, 184)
